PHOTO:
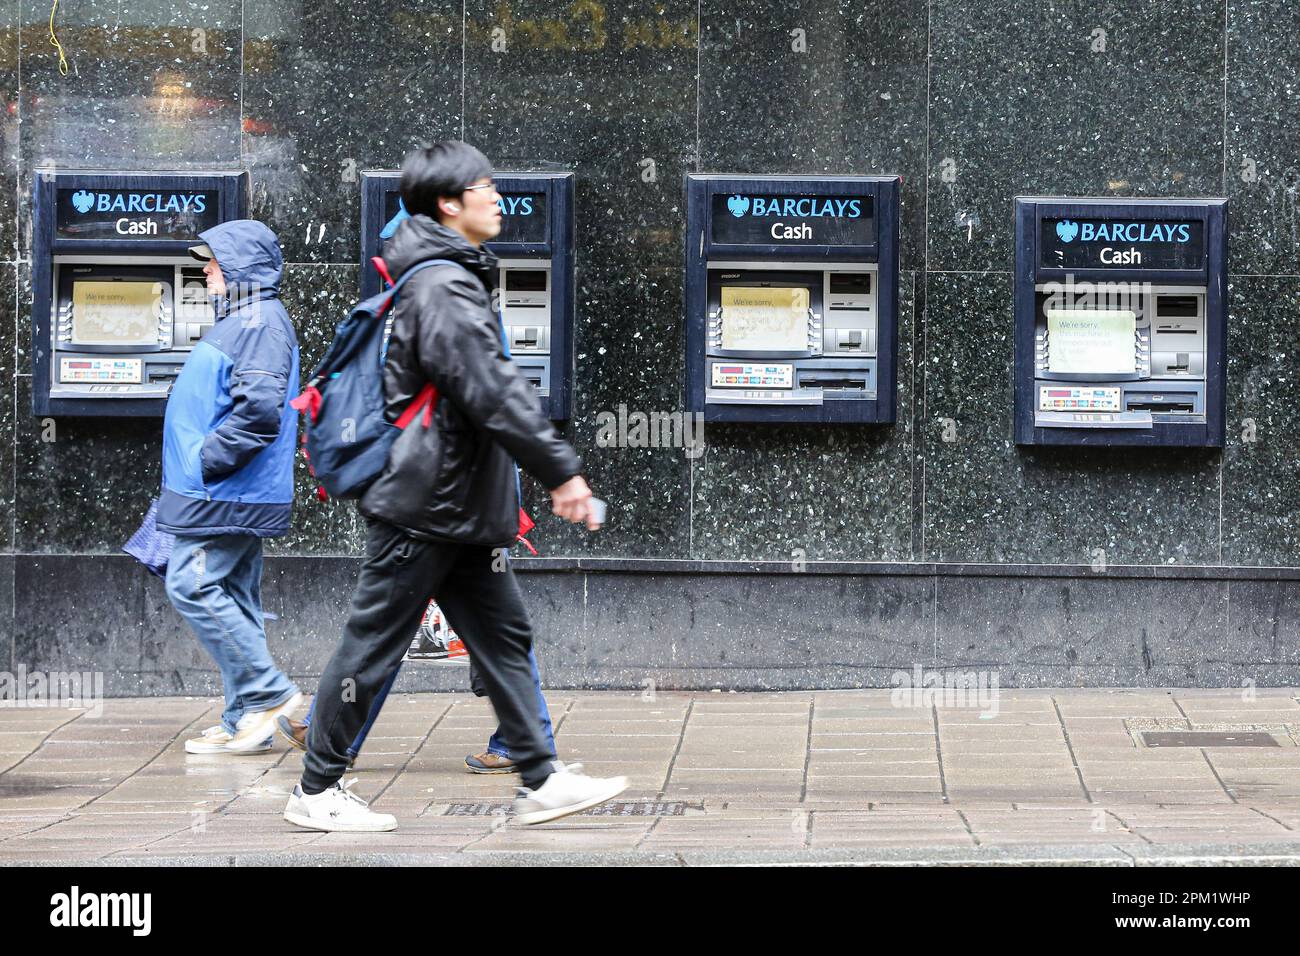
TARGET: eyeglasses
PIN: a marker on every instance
(481, 186)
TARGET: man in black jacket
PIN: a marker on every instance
(445, 510)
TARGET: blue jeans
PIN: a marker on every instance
(494, 743)
(215, 583)
(375, 708)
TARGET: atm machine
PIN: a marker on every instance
(535, 253)
(1120, 321)
(117, 301)
(792, 298)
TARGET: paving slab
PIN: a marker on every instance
(794, 777)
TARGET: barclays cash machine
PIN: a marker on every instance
(792, 297)
(1120, 321)
(535, 254)
(117, 301)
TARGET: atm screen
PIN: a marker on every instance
(525, 280)
(115, 313)
(765, 319)
(1091, 341)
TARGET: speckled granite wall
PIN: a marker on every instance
(973, 102)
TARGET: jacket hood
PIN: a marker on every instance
(420, 237)
(248, 254)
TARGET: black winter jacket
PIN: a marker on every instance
(456, 479)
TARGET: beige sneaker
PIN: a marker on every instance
(215, 740)
(257, 727)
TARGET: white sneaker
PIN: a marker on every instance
(336, 808)
(565, 791)
(254, 728)
(215, 740)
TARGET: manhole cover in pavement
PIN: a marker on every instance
(1207, 738)
(671, 808)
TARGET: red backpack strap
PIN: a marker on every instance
(382, 268)
(526, 525)
(426, 400)
(308, 401)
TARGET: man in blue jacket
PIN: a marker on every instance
(228, 447)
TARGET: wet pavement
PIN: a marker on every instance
(815, 777)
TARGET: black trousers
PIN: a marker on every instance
(477, 591)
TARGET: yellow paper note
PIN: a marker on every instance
(765, 320)
(1091, 341)
(115, 313)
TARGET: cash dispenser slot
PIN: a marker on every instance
(838, 383)
(1156, 406)
(537, 372)
(1162, 402)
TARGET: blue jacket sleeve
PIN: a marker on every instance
(259, 381)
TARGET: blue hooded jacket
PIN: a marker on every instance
(229, 431)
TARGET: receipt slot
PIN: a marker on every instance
(1120, 322)
(117, 301)
(535, 254)
(791, 298)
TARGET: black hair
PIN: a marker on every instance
(443, 170)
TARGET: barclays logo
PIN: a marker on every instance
(148, 203)
(1134, 232)
(792, 207)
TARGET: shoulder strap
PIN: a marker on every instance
(401, 280)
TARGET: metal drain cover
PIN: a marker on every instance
(640, 808)
(1208, 738)
(671, 808)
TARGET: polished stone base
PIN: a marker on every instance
(609, 623)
